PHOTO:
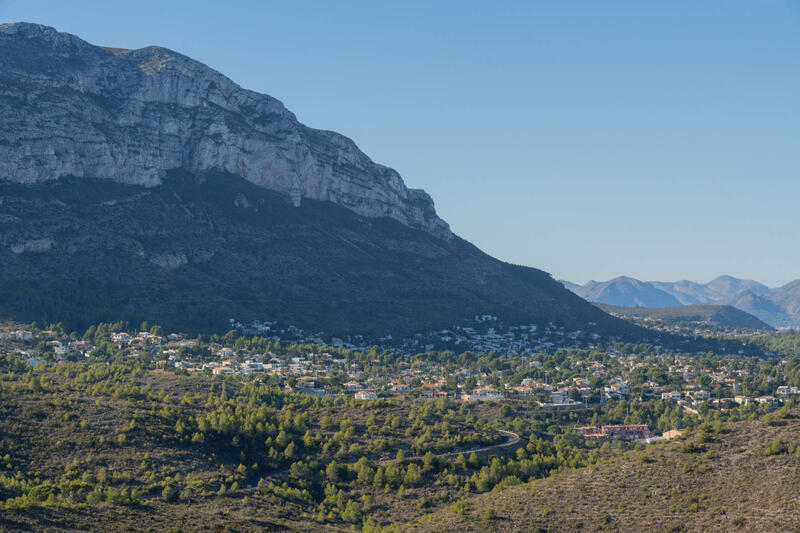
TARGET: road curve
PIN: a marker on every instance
(512, 439)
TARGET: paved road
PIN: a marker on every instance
(512, 439)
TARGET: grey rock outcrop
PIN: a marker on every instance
(73, 109)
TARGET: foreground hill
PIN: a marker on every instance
(742, 477)
(142, 184)
(717, 315)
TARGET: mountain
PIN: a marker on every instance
(761, 306)
(687, 292)
(727, 286)
(787, 298)
(778, 307)
(718, 315)
(626, 292)
(141, 184)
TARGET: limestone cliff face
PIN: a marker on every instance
(69, 108)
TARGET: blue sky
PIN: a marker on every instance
(591, 139)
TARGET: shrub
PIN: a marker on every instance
(691, 447)
(170, 494)
(776, 447)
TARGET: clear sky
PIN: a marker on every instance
(588, 138)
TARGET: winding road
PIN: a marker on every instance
(511, 441)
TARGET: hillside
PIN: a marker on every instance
(113, 447)
(141, 184)
(761, 306)
(185, 253)
(718, 315)
(742, 477)
(781, 307)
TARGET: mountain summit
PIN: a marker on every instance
(142, 184)
(131, 116)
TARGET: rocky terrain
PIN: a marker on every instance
(142, 184)
(130, 116)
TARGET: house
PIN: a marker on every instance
(21, 335)
(671, 395)
(353, 386)
(672, 434)
(249, 367)
(399, 387)
(431, 390)
(482, 394)
(619, 389)
(120, 337)
(607, 433)
(771, 400)
(560, 396)
(35, 361)
(593, 433)
(222, 370)
(627, 431)
(305, 383)
(365, 395)
(225, 353)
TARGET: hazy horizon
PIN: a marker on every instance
(701, 281)
(589, 140)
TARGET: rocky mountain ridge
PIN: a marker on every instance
(73, 109)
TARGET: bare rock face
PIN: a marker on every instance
(73, 109)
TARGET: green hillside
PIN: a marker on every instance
(723, 477)
(718, 315)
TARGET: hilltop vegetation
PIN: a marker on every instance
(724, 316)
(721, 477)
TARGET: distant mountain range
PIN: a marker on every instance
(779, 307)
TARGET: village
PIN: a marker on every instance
(557, 380)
